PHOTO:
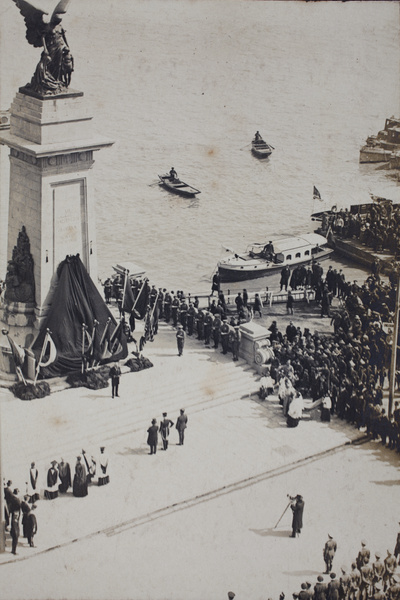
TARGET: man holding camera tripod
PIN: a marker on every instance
(297, 506)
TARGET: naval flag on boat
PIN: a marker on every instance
(316, 194)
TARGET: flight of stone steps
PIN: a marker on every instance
(67, 420)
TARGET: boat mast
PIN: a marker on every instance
(394, 350)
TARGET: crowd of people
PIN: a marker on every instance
(19, 509)
(348, 368)
(377, 228)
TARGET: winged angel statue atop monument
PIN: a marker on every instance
(53, 72)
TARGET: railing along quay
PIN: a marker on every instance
(267, 297)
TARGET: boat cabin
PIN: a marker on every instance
(289, 250)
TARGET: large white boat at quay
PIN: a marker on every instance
(259, 260)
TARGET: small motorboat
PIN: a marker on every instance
(263, 259)
(260, 148)
(177, 186)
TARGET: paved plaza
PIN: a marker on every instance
(197, 520)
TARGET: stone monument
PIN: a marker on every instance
(51, 200)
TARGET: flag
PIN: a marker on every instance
(49, 351)
(141, 301)
(129, 300)
(87, 341)
(93, 343)
(316, 194)
(17, 352)
(118, 345)
(102, 351)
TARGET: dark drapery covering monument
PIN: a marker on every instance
(77, 302)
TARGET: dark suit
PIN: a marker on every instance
(164, 431)
(152, 438)
(14, 530)
(320, 591)
(31, 527)
(297, 521)
(333, 589)
(115, 373)
(181, 425)
(224, 333)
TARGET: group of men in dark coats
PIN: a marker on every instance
(164, 430)
(14, 508)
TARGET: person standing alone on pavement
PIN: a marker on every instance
(329, 553)
(164, 430)
(180, 339)
(181, 424)
(115, 373)
(152, 438)
(297, 507)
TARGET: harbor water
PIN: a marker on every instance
(187, 84)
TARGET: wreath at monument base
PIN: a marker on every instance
(30, 391)
(139, 363)
(94, 380)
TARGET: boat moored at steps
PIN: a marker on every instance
(379, 148)
(260, 260)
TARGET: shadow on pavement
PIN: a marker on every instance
(133, 451)
(389, 482)
(271, 532)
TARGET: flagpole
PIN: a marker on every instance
(155, 304)
(2, 523)
(83, 344)
(126, 271)
(95, 323)
(394, 351)
(104, 334)
(41, 356)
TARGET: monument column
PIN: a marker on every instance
(51, 199)
(51, 189)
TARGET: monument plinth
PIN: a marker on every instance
(51, 195)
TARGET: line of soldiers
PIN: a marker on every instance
(378, 580)
(202, 323)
